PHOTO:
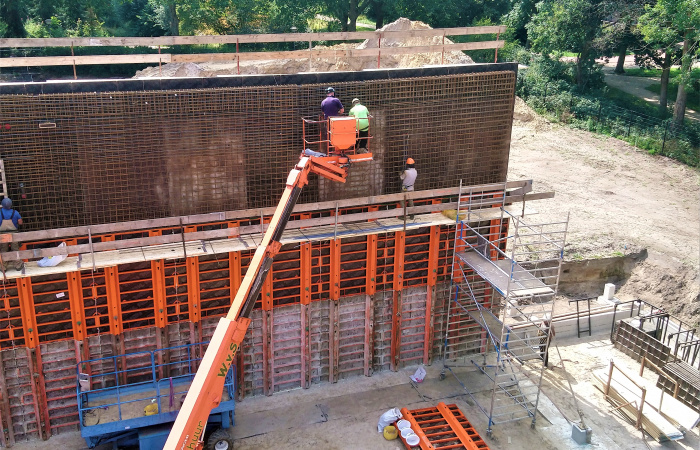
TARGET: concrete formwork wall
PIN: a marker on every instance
(82, 154)
(338, 332)
(370, 321)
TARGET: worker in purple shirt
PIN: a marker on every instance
(330, 105)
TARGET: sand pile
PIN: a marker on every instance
(339, 63)
(417, 60)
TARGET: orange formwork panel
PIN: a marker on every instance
(443, 427)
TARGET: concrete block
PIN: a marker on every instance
(580, 435)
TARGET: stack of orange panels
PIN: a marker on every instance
(443, 427)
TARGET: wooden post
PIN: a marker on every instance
(442, 59)
(495, 59)
(641, 407)
(72, 53)
(607, 386)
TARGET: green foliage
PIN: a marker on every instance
(136, 18)
(548, 86)
(11, 14)
(517, 19)
(666, 22)
(568, 25)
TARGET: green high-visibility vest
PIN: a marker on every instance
(361, 114)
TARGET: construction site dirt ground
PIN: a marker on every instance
(344, 415)
(621, 200)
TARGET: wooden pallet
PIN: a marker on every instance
(444, 427)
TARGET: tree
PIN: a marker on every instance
(618, 31)
(658, 54)
(11, 13)
(346, 11)
(667, 22)
(568, 26)
(136, 18)
(518, 18)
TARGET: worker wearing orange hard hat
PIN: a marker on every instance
(408, 180)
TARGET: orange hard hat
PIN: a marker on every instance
(410, 161)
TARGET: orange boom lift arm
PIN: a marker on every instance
(206, 389)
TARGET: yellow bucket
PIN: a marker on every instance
(150, 410)
(390, 433)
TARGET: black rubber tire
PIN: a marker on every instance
(219, 436)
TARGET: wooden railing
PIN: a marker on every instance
(310, 53)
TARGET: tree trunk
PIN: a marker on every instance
(174, 20)
(580, 61)
(378, 12)
(352, 15)
(620, 67)
(679, 109)
(665, 76)
(344, 20)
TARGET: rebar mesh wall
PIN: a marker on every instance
(119, 156)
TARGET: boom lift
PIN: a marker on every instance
(206, 389)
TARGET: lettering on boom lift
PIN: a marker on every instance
(229, 359)
(195, 438)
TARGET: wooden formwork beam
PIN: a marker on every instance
(333, 349)
(305, 352)
(6, 417)
(38, 391)
(395, 330)
(369, 335)
(267, 361)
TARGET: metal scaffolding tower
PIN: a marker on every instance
(505, 275)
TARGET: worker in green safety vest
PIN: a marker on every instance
(361, 114)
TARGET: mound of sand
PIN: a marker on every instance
(324, 64)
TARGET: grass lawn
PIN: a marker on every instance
(693, 97)
(657, 72)
(632, 102)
